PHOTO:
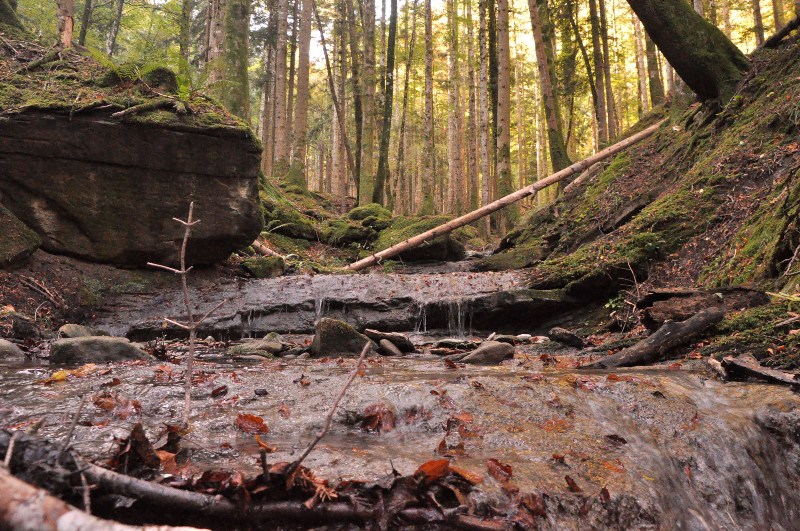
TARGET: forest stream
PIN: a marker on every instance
(669, 443)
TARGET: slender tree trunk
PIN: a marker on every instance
(698, 7)
(281, 164)
(472, 129)
(555, 136)
(228, 77)
(758, 22)
(341, 93)
(492, 41)
(599, 80)
(453, 133)
(777, 13)
(291, 80)
(589, 72)
(367, 178)
(707, 61)
(401, 172)
(483, 102)
(268, 91)
(426, 193)
(641, 70)
(301, 108)
(66, 21)
(111, 40)
(86, 21)
(184, 36)
(654, 72)
(610, 105)
(386, 131)
(355, 77)
(504, 183)
(725, 7)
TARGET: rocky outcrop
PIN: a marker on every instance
(105, 190)
(17, 241)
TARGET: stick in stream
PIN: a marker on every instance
(329, 417)
(503, 202)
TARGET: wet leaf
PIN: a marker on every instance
(533, 377)
(450, 364)
(265, 446)
(476, 384)
(605, 496)
(284, 410)
(222, 390)
(499, 471)
(471, 477)
(58, 376)
(560, 458)
(251, 423)
(434, 469)
(378, 417)
(534, 503)
(463, 417)
(112, 383)
(303, 381)
(615, 440)
(556, 425)
(572, 485)
(614, 466)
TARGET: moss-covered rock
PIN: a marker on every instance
(446, 247)
(343, 232)
(17, 241)
(265, 266)
(371, 210)
(337, 338)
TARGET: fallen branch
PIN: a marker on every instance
(773, 41)
(161, 103)
(669, 336)
(263, 250)
(503, 202)
(746, 366)
(49, 57)
(593, 170)
(23, 506)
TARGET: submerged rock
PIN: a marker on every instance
(337, 338)
(17, 241)
(388, 348)
(70, 330)
(489, 353)
(9, 350)
(399, 340)
(94, 350)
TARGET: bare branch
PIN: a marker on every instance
(170, 269)
(176, 323)
(212, 310)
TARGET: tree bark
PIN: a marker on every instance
(235, 58)
(355, 80)
(725, 7)
(483, 91)
(453, 130)
(510, 215)
(473, 127)
(86, 21)
(426, 194)
(366, 183)
(290, 88)
(301, 105)
(281, 154)
(777, 13)
(386, 130)
(599, 80)
(268, 93)
(111, 40)
(709, 63)
(402, 177)
(641, 69)
(758, 23)
(610, 105)
(653, 72)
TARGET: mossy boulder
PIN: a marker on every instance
(446, 247)
(266, 348)
(17, 242)
(372, 215)
(343, 232)
(337, 338)
(94, 350)
(265, 266)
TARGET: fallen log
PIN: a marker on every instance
(773, 41)
(746, 366)
(503, 202)
(23, 506)
(669, 336)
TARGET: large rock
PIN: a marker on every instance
(94, 350)
(9, 350)
(337, 338)
(445, 247)
(107, 190)
(399, 340)
(259, 347)
(71, 330)
(489, 353)
(17, 241)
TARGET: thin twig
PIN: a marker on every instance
(170, 269)
(329, 417)
(792, 261)
(87, 495)
(10, 450)
(74, 424)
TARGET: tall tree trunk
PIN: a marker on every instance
(610, 105)
(292, 46)
(301, 108)
(492, 41)
(777, 13)
(426, 193)
(341, 92)
(641, 69)
(386, 131)
(366, 183)
(698, 7)
(555, 136)
(86, 21)
(758, 22)
(281, 164)
(268, 92)
(504, 183)
(453, 133)
(184, 36)
(66, 20)
(483, 102)
(355, 77)
(725, 7)
(589, 72)
(401, 172)
(654, 72)
(229, 82)
(709, 63)
(472, 128)
(599, 80)
(111, 40)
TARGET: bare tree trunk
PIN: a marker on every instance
(301, 108)
(355, 80)
(726, 17)
(401, 172)
(698, 7)
(453, 132)
(777, 13)
(216, 39)
(386, 131)
(654, 72)
(641, 70)
(589, 72)
(342, 120)
(291, 80)
(268, 93)
(66, 21)
(472, 128)
(111, 40)
(599, 80)
(281, 164)
(367, 177)
(483, 97)
(610, 105)
(426, 193)
(86, 21)
(508, 216)
(758, 22)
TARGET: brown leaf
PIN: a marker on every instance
(499, 471)
(615, 440)
(434, 469)
(476, 384)
(222, 390)
(450, 364)
(534, 503)
(112, 383)
(572, 485)
(471, 477)
(605, 496)
(251, 423)
(265, 446)
(284, 410)
(378, 417)
(614, 466)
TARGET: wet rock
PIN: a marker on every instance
(23, 327)
(10, 350)
(454, 343)
(399, 340)
(94, 350)
(18, 241)
(445, 247)
(265, 266)
(505, 338)
(525, 338)
(259, 347)
(304, 356)
(260, 392)
(388, 348)
(337, 338)
(565, 337)
(70, 330)
(294, 351)
(489, 353)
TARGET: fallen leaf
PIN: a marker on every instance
(605, 496)
(471, 477)
(499, 471)
(378, 417)
(284, 410)
(251, 423)
(265, 446)
(219, 391)
(613, 466)
(113, 383)
(434, 469)
(616, 440)
(450, 364)
(572, 485)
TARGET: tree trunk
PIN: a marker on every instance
(472, 128)
(589, 72)
(184, 36)
(386, 130)
(401, 172)
(292, 47)
(111, 40)
(453, 129)
(235, 94)
(504, 184)
(698, 7)
(355, 80)
(366, 183)
(641, 70)
(758, 22)
(301, 108)
(281, 155)
(426, 194)
(268, 93)
(777, 13)
(483, 97)
(726, 17)
(709, 63)
(599, 81)
(653, 72)
(610, 105)
(555, 136)
(86, 21)
(341, 93)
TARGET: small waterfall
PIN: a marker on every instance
(321, 307)
(421, 326)
(459, 318)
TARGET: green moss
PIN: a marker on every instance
(370, 210)
(265, 266)
(343, 232)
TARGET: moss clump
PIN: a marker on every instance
(343, 232)
(265, 266)
(446, 247)
(374, 210)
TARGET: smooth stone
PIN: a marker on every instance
(304, 356)
(10, 350)
(399, 340)
(71, 330)
(388, 348)
(505, 338)
(337, 338)
(489, 353)
(460, 344)
(565, 337)
(94, 350)
(258, 347)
